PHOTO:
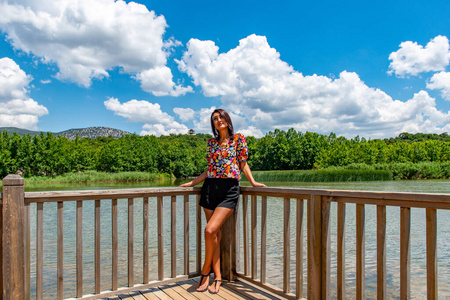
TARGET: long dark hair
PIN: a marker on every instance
(226, 116)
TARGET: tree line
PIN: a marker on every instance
(185, 155)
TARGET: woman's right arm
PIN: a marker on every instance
(196, 181)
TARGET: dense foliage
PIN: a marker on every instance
(184, 155)
(48, 155)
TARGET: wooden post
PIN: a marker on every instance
(228, 248)
(314, 224)
(13, 244)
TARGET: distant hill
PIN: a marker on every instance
(90, 132)
(93, 132)
(19, 131)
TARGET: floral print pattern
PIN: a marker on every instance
(224, 162)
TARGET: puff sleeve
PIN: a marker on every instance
(241, 148)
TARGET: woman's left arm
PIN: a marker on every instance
(245, 168)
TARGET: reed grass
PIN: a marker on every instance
(325, 175)
(95, 176)
(408, 170)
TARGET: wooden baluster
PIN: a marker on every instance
(286, 245)
(432, 291)
(254, 237)
(405, 259)
(60, 252)
(145, 239)
(237, 250)
(314, 247)
(245, 233)
(97, 236)
(199, 235)
(299, 251)
(326, 247)
(360, 251)
(27, 244)
(381, 252)
(341, 251)
(263, 237)
(40, 251)
(173, 237)
(160, 238)
(130, 242)
(115, 244)
(186, 234)
(79, 258)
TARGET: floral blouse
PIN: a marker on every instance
(224, 162)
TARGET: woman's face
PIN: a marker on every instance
(219, 122)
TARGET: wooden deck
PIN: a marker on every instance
(238, 289)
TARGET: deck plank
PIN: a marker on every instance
(236, 290)
(244, 289)
(172, 293)
(149, 295)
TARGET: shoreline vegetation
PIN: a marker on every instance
(361, 172)
(95, 176)
(289, 155)
(353, 172)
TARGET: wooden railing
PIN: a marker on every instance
(318, 239)
(15, 237)
(15, 230)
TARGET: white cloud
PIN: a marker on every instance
(412, 58)
(252, 131)
(160, 129)
(203, 121)
(13, 80)
(88, 38)
(159, 82)
(47, 81)
(441, 81)
(255, 84)
(185, 114)
(157, 121)
(17, 109)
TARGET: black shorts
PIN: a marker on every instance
(220, 192)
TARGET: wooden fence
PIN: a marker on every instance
(15, 237)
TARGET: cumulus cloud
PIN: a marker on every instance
(185, 114)
(441, 81)
(17, 109)
(157, 122)
(412, 58)
(267, 93)
(88, 38)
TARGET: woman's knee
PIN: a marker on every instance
(211, 230)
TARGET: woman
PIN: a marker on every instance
(227, 156)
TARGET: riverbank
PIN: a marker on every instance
(95, 176)
(361, 172)
(322, 175)
(352, 172)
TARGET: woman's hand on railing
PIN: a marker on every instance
(187, 184)
(257, 184)
(196, 181)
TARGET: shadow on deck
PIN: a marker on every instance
(239, 289)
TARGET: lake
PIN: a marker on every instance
(274, 238)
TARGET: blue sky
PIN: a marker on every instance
(373, 69)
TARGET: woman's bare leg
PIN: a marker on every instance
(215, 219)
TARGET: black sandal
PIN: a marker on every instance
(215, 286)
(200, 283)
